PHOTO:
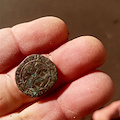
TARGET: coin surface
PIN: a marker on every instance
(36, 75)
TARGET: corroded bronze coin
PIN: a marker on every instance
(36, 75)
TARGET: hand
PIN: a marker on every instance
(80, 88)
(111, 112)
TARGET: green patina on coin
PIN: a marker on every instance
(36, 75)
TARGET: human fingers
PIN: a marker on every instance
(78, 56)
(38, 36)
(72, 101)
(73, 59)
(111, 112)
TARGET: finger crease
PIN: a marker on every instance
(15, 40)
(69, 114)
(8, 79)
(62, 112)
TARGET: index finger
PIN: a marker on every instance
(38, 36)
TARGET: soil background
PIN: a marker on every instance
(99, 18)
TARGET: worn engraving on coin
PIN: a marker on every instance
(36, 75)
